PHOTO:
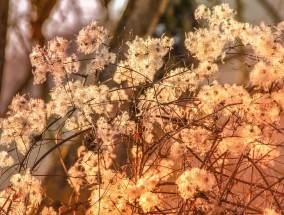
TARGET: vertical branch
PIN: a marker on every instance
(4, 12)
(271, 11)
(137, 16)
(43, 10)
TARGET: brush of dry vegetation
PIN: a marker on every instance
(190, 144)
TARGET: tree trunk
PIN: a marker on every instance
(4, 11)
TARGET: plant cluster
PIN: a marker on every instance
(166, 138)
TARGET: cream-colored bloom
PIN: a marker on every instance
(192, 181)
(269, 211)
(5, 159)
(48, 211)
(91, 37)
(148, 200)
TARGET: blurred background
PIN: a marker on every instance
(25, 23)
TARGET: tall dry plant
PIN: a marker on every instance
(180, 143)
